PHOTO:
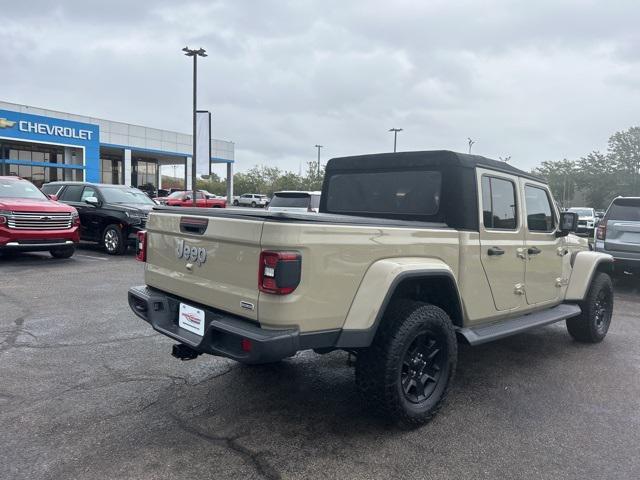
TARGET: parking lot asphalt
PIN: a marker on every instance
(87, 390)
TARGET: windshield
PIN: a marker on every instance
(290, 200)
(125, 195)
(19, 189)
(582, 212)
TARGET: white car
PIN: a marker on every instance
(586, 219)
(251, 200)
(295, 201)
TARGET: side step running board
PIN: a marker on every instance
(505, 328)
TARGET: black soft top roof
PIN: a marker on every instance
(430, 158)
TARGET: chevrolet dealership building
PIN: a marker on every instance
(44, 146)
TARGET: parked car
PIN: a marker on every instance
(619, 233)
(184, 199)
(32, 221)
(294, 201)
(409, 253)
(251, 200)
(586, 219)
(110, 215)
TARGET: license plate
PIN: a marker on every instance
(191, 318)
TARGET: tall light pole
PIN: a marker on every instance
(470, 142)
(318, 147)
(395, 137)
(191, 52)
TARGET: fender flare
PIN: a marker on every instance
(368, 306)
(585, 265)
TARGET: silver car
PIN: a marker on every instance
(618, 233)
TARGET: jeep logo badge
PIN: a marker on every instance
(191, 254)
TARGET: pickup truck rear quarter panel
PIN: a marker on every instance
(228, 276)
(345, 269)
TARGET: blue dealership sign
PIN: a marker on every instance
(39, 129)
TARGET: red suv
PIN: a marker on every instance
(31, 221)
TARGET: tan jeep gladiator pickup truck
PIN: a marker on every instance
(410, 253)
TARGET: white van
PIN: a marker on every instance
(294, 201)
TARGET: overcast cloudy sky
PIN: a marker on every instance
(537, 80)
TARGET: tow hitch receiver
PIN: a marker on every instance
(183, 352)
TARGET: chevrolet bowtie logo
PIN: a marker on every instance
(4, 123)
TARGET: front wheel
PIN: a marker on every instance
(63, 252)
(113, 240)
(592, 325)
(236, 203)
(253, 204)
(406, 372)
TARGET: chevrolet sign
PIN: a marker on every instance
(44, 129)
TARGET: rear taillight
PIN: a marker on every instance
(141, 246)
(601, 232)
(279, 272)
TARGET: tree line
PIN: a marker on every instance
(599, 176)
(259, 179)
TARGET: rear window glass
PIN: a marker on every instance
(627, 209)
(291, 200)
(394, 194)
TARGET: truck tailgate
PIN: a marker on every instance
(225, 276)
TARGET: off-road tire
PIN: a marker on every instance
(63, 252)
(113, 240)
(592, 325)
(381, 368)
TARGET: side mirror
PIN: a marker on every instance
(568, 223)
(53, 197)
(92, 201)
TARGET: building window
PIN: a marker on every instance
(111, 170)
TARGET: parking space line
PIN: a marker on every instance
(95, 258)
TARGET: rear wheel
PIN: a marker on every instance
(406, 372)
(236, 203)
(63, 252)
(592, 325)
(113, 240)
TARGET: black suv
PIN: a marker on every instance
(109, 214)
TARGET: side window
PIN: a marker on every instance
(539, 212)
(50, 189)
(199, 195)
(499, 204)
(72, 193)
(88, 192)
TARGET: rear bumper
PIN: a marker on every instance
(621, 259)
(224, 333)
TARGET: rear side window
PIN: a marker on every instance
(315, 201)
(72, 193)
(291, 200)
(393, 194)
(539, 213)
(50, 189)
(499, 203)
(625, 209)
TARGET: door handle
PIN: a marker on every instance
(494, 251)
(534, 251)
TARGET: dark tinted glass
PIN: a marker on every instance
(539, 213)
(498, 203)
(412, 193)
(297, 200)
(626, 209)
(50, 189)
(72, 193)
